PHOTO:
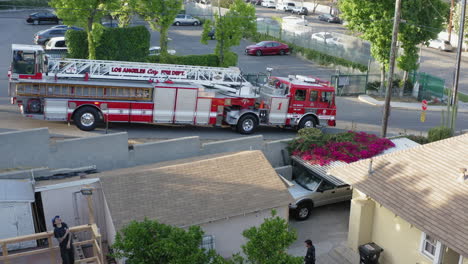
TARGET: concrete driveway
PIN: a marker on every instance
(327, 227)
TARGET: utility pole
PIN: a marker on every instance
(393, 51)
(450, 24)
(454, 99)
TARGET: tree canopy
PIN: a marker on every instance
(160, 15)
(152, 242)
(268, 243)
(83, 13)
(239, 21)
(421, 21)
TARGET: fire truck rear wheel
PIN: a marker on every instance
(308, 121)
(247, 124)
(86, 118)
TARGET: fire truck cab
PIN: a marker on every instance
(89, 92)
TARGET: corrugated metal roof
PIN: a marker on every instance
(324, 171)
(16, 191)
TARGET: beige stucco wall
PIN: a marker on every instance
(371, 222)
(465, 260)
(228, 232)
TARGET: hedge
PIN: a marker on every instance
(120, 44)
(439, 133)
(319, 57)
(77, 43)
(210, 60)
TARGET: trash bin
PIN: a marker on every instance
(369, 253)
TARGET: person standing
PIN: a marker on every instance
(63, 235)
(310, 255)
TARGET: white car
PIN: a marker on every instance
(57, 43)
(156, 50)
(440, 45)
(286, 6)
(322, 37)
(268, 3)
(182, 19)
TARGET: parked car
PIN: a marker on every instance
(156, 50)
(322, 37)
(311, 187)
(440, 44)
(267, 48)
(41, 37)
(67, 27)
(40, 17)
(182, 19)
(256, 2)
(286, 6)
(110, 24)
(212, 33)
(57, 43)
(300, 10)
(269, 3)
(329, 18)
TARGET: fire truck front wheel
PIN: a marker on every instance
(247, 124)
(86, 118)
(307, 121)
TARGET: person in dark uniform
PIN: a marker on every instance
(63, 235)
(310, 255)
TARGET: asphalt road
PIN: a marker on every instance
(352, 114)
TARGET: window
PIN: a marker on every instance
(325, 186)
(300, 95)
(208, 242)
(305, 178)
(327, 97)
(60, 44)
(180, 16)
(313, 96)
(431, 248)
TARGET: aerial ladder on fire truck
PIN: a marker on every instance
(120, 70)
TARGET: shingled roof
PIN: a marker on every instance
(194, 191)
(420, 185)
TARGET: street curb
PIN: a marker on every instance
(407, 106)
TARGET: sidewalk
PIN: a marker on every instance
(462, 107)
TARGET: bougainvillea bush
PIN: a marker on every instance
(318, 148)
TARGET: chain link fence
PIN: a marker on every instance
(427, 86)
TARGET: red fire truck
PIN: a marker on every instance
(89, 92)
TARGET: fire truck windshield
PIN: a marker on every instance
(23, 62)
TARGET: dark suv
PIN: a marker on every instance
(39, 17)
(41, 37)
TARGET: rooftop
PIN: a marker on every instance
(420, 185)
(194, 191)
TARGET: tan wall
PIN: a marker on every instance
(465, 260)
(228, 232)
(361, 219)
(450, 257)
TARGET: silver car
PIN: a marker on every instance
(182, 19)
(310, 186)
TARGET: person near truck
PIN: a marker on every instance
(63, 235)
(310, 255)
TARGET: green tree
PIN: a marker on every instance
(84, 13)
(457, 18)
(268, 243)
(238, 22)
(152, 242)
(374, 20)
(160, 15)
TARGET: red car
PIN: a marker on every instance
(267, 48)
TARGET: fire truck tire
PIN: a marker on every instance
(307, 121)
(247, 124)
(86, 118)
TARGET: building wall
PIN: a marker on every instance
(26, 149)
(61, 201)
(31, 149)
(371, 222)
(228, 232)
(16, 220)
